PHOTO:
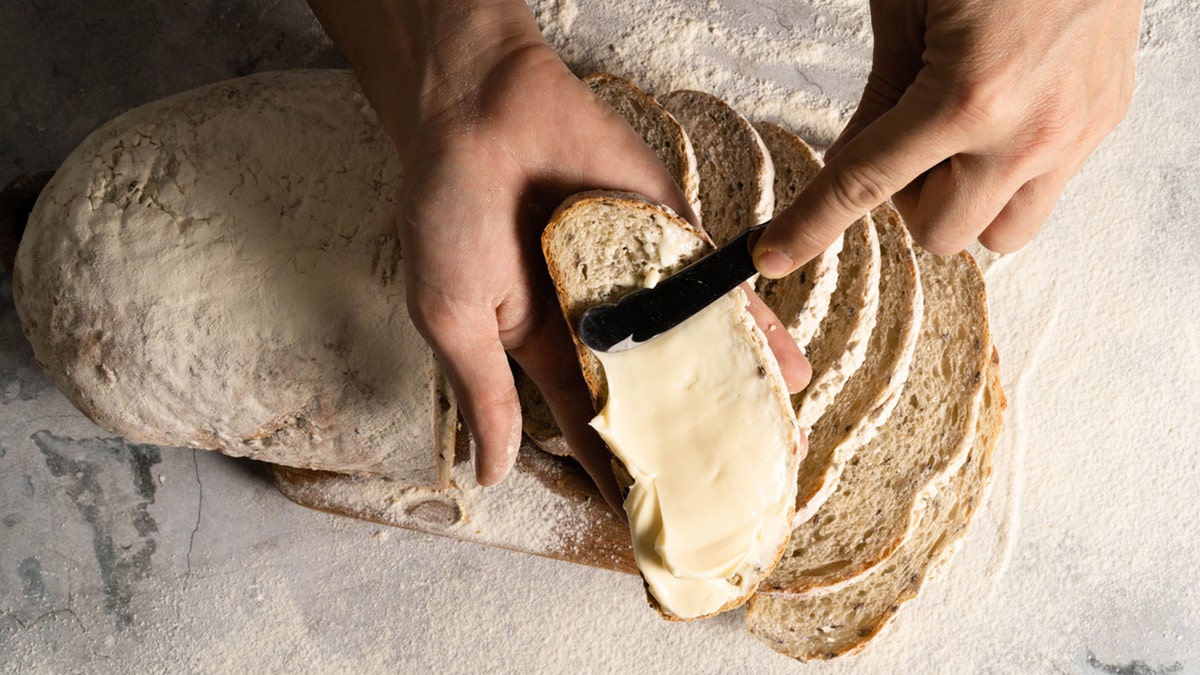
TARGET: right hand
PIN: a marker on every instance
(975, 115)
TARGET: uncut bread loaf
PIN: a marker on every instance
(220, 270)
(924, 442)
(824, 625)
(709, 424)
(736, 173)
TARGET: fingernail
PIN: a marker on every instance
(774, 264)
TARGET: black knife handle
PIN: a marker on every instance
(649, 312)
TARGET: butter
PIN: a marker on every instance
(713, 469)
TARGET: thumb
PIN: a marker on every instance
(889, 153)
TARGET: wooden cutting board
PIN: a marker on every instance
(547, 506)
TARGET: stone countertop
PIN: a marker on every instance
(117, 557)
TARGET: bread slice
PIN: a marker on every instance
(831, 624)
(600, 246)
(878, 498)
(840, 344)
(207, 271)
(871, 392)
(801, 299)
(663, 133)
(656, 125)
(736, 174)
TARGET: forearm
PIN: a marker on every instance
(419, 61)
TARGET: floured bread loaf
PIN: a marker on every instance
(220, 270)
(823, 625)
(707, 448)
(736, 174)
(924, 442)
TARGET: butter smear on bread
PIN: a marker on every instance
(692, 419)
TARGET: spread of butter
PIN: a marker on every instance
(699, 431)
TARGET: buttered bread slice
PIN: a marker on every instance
(698, 418)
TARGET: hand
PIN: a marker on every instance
(975, 115)
(500, 133)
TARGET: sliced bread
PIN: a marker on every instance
(871, 392)
(840, 344)
(700, 423)
(824, 625)
(656, 125)
(736, 174)
(801, 299)
(925, 441)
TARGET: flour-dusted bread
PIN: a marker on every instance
(220, 270)
(736, 174)
(840, 344)
(656, 125)
(870, 393)
(801, 299)
(600, 246)
(824, 625)
(924, 442)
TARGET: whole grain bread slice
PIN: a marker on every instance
(656, 125)
(801, 299)
(663, 133)
(825, 625)
(840, 344)
(871, 392)
(736, 173)
(600, 246)
(879, 496)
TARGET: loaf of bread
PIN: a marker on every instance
(709, 468)
(220, 270)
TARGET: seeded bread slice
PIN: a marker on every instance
(840, 344)
(736, 173)
(827, 625)
(871, 392)
(925, 441)
(600, 246)
(663, 133)
(801, 299)
(656, 125)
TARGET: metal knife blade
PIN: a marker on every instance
(645, 314)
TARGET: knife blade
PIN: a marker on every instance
(647, 313)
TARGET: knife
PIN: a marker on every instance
(647, 313)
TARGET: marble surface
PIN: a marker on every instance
(116, 557)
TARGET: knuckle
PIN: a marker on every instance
(857, 187)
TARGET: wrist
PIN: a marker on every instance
(423, 64)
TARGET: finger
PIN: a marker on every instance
(796, 369)
(958, 199)
(548, 357)
(467, 344)
(1023, 216)
(900, 145)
